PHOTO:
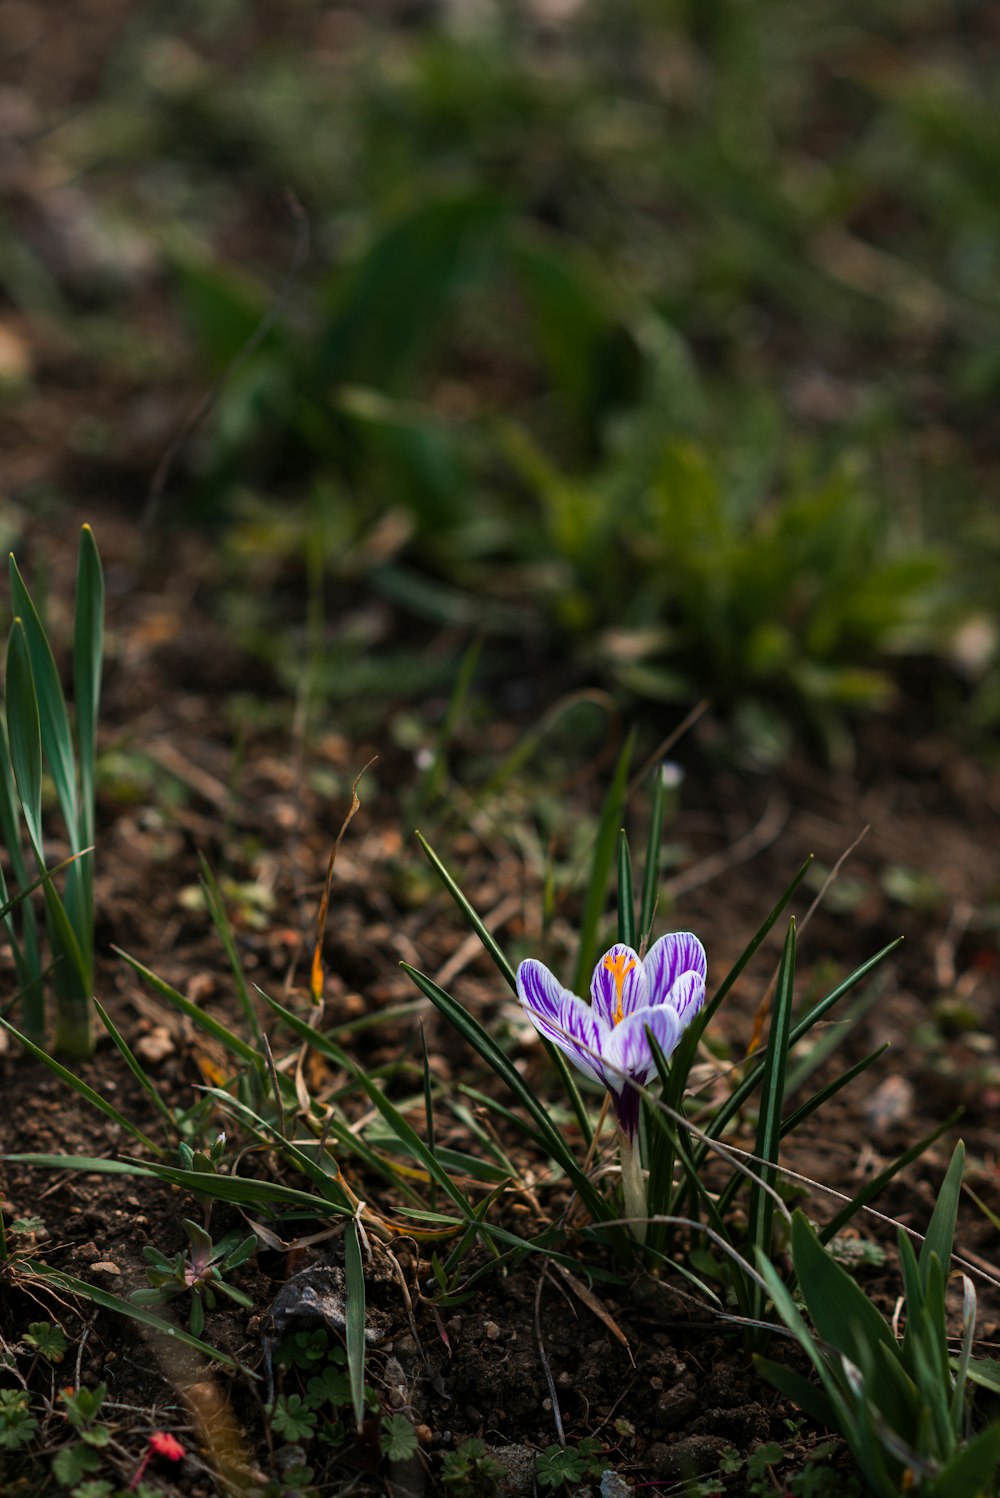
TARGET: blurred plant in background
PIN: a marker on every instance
(663, 335)
(36, 732)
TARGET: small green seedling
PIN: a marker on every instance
(201, 1272)
(470, 1471)
(901, 1406)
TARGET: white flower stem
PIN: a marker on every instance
(633, 1186)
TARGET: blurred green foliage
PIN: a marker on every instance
(664, 332)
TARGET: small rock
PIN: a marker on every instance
(674, 1406)
(613, 1486)
(687, 1458)
(891, 1103)
(518, 1464)
(156, 1046)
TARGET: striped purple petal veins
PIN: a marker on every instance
(632, 997)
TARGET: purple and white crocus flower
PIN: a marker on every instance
(632, 997)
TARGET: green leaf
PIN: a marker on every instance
(88, 652)
(233, 1043)
(136, 1068)
(626, 900)
(802, 1027)
(397, 1439)
(470, 913)
(221, 922)
(55, 1278)
(72, 1463)
(24, 733)
(390, 306)
(484, 1044)
(687, 1049)
(292, 1418)
(354, 1331)
(873, 1187)
(810, 1400)
(651, 872)
(840, 1311)
(56, 736)
(941, 1230)
(600, 866)
(971, 1472)
(792, 1121)
(761, 1211)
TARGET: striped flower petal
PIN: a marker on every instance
(686, 997)
(562, 1018)
(618, 986)
(667, 959)
(627, 1048)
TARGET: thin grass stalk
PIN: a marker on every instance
(761, 1211)
(499, 957)
(626, 899)
(600, 865)
(651, 871)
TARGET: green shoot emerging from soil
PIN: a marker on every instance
(38, 733)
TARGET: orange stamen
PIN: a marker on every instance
(619, 966)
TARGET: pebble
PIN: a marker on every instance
(687, 1458)
(518, 1465)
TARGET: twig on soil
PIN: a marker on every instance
(543, 1359)
(776, 814)
(663, 749)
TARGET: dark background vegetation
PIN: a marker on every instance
(468, 384)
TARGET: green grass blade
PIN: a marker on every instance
(88, 653)
(472, 916)
(971, 1470)
(327, 1184)
(222, 924)
(233, 1043)
(354, 1330)
(626, 899)
(485, 1046)
(428, 1104)
(243, 1191)
(44, 1275)
(57, 737)
(24, 734)
(82, 1088)
(687, 1049)
(492, 946)
(761, 1210)
(10, 835)
(839, 1310)
(812, 1401)
(877, 1183)
(135, 1067)
(792, 1121)
(739, 1095)
(941, 1229)
(651, 872)
(600, 866)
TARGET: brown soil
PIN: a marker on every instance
(663, 1385)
